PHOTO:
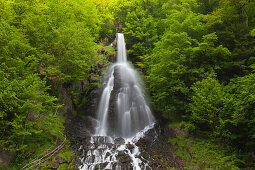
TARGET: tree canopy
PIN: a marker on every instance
(198, 58)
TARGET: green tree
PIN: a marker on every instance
(182, 56)
(243, 131)
(23, 104)
(64, 34)
(142, 23)
(23, 95)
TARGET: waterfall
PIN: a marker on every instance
(132, 113)
(123, 118)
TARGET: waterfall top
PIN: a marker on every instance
(122, 110)
(121, 49)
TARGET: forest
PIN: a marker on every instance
(197, 58)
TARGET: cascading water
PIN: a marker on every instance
(123, 117)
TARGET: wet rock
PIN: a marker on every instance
(111, 57)
(154, 147)
(119, 141)
(103, 166)
(91, 124)
(84, 132)
(121, 153)
(107, 154)
(130, 146)
(114, 44)
(113, 112)
(117, 77)
(106, 41)
(125, 159)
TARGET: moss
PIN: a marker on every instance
(63, 166)
(66, 153)
(156, 156)
(45, 165)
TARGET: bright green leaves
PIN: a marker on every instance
(74, 50)
(23, 103)
(252, 32)
(225, 111)
(166, 70)
(140, 32)
(207, 56)
(107, 21)
(243, 89)
(63, 31)
(54, 38)
(208, 105)
(142, 24)
(180, 60)
(16, 55)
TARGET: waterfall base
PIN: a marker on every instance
(104, 152)
(155, 152)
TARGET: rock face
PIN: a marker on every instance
(113, 101)
(81, 122)
(119, 141)
(157, 150)
(6, 157)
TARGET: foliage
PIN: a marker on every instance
(141, 21)
(177, 62)
(203, 154)
(225, 112)
(43, 43)
(208, 105)
(107, 23)
(198, 57)
(23, 95)
(23, 103)
(65, 39)
(243, 116)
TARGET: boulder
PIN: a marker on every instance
(121, 153)
(119, 141)
(130, 146)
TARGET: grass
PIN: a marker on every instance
(204, 154)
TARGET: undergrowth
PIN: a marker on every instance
(200, 153)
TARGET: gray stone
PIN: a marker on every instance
(121, 153)
(130, 146)
(119, 141)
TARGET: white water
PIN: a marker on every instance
(132, 113)
(128, 120)
(104, 150)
